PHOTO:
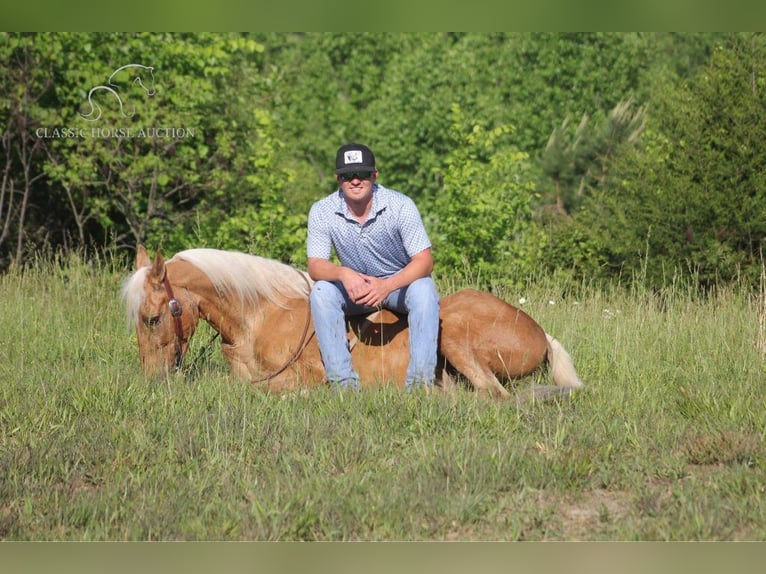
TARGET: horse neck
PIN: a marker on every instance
(231, 319)
(251, 323)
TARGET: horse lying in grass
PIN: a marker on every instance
(260, 308)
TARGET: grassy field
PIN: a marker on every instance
(665, 443)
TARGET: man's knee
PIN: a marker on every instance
(422, 294)
(325, 293)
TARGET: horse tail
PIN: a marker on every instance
(562, 368)
(93, 108)
(564, 375)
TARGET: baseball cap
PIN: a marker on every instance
(354, 157)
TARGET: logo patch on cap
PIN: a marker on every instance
(352, 156)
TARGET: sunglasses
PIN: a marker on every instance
(355, 175)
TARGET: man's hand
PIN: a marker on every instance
(375, 293)
(366, 290)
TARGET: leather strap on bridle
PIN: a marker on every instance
(175, 311)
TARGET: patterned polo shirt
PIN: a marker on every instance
(392, 234)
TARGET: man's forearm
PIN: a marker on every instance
(325, 270)
(420, 266)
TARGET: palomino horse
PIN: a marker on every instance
(260, 308)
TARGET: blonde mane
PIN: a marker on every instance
(247, 277)
(133, 295)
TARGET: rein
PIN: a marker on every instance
(301, 346)
(175, 311)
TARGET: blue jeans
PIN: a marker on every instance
(419, 300)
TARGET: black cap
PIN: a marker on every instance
(354, 157)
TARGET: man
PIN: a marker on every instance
(385, 261)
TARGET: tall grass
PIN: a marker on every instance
(665, 443)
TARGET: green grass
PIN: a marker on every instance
(665, 443)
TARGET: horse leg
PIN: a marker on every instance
(237, 360)
(445, 382)
(482, 378)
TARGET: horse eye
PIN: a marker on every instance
(152, 321)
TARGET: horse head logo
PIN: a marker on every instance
(137, 74)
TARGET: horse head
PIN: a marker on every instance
(135, 74)
(146, 82)
(163, 311)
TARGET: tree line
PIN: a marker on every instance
(599, 156)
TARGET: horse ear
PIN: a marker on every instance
(157, 272)
(142, 257)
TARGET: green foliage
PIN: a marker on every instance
(650, 168)
(690, 199)
(482, 216)
(255, 216)
(577, 160)
(134, 173)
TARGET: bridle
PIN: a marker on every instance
(176, 310)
